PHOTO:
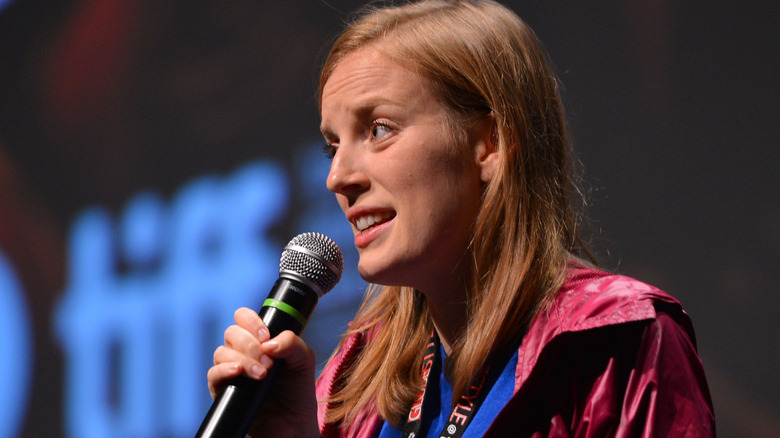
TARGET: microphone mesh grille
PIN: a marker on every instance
(323, 268)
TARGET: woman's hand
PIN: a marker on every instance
(290, 406)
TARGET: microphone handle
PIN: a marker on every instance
(288, 307)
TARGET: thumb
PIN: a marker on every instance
(290, 347)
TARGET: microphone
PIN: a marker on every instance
(310, 266)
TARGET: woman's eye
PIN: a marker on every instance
(379, 130)
(329, 150)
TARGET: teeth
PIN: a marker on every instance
(364, 222)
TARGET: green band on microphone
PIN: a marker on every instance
(286, 308)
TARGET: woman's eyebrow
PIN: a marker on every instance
(362, 110)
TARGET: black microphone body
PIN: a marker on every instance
(288, 306)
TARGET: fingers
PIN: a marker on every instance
(229, 363)
(243, 342)
(242, 352)
(253, 366)
(251, 336)
(249, 351)
(218, 374)
(249, 320)
(296, 354)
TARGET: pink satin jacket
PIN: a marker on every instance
(611, 357)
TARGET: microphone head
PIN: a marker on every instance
(314, 259)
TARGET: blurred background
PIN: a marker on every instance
(155, 157)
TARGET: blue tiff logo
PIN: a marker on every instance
(148, 297)
(150, 293)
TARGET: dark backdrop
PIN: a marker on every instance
(672, 107)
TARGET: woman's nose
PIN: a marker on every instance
(347, 175)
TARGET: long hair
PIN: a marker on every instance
(484, 62)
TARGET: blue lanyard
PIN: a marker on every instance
(462, 412)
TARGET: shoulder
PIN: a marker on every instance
(609, 356)
(592, 303)
(591, 299)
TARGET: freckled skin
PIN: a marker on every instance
(393, 153)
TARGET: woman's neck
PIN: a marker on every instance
(447, 299)
(450, 317)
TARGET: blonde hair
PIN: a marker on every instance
(484, 62)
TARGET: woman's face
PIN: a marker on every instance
(409, 191)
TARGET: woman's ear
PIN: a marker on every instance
(486, 149)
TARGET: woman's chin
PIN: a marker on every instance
(384, 274)
(371, 275)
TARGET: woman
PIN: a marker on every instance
(450, 160)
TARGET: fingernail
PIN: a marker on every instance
(233, 367)
(271, 345)
(262, 334)
(256, 371)
(266, 361)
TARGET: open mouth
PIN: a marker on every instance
(365, 222)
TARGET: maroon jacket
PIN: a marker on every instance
(611, 357)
